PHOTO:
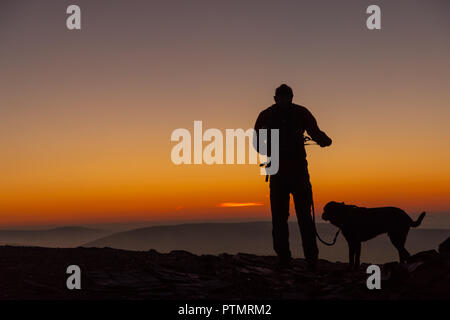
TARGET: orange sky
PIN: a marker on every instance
(86, 116)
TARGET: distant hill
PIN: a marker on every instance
(57, 237)
(256, 238)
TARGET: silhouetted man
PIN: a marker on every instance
(292, 177)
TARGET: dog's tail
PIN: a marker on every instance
(417, 223)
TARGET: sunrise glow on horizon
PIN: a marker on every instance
(86, 117)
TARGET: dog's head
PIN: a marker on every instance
(335, 212)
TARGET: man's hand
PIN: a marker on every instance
(325, 142)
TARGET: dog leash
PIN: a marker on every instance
(315, 229)
(267, 164)
(306, 139)
(313, 215)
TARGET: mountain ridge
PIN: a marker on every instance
(68, 236)
(256, 238)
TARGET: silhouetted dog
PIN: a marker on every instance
(360, 224)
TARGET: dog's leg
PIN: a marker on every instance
(404, 255)
(357, 254)
(351, 254)
(398, 239)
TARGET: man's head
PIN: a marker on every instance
(283, 94)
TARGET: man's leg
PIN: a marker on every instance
(279, 203)
(302, 200)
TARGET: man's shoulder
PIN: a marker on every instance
(267, 113)
(269, 109)
(300, 109)
(295, 106)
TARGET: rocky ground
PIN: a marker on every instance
(40, 273)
